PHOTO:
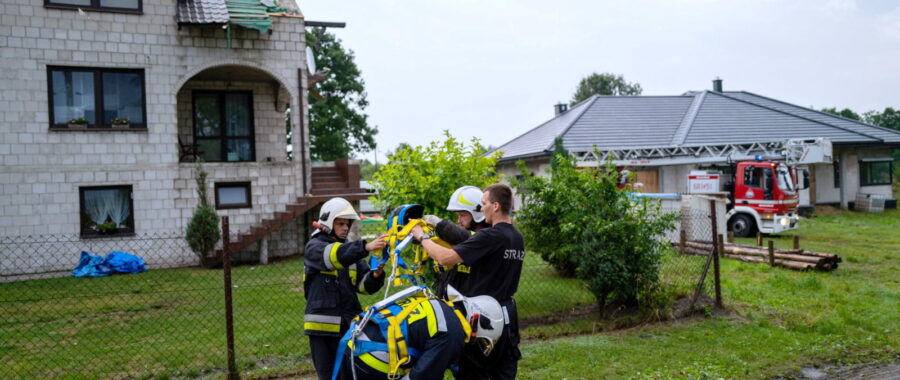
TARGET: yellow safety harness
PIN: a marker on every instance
(393, 320)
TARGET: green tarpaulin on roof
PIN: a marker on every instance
(252, 14)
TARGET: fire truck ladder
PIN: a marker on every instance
(793, 152)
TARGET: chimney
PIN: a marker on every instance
(717, 84)
(560, 108)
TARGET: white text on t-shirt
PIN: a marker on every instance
(512, 254)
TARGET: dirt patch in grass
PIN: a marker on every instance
(869, 371)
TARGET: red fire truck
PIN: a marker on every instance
(763, 194)
(759, 178)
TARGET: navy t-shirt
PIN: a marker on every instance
(494, 255)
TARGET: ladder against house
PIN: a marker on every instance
(329, 179)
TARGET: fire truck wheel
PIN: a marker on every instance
(742, 225)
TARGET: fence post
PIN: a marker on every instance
(683, 242)
(796, 242)
(721, 246)
(229, 321)
(771, 253)
(758, 239)
(717, 251)
(731, 236)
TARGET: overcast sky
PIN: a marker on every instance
(494, 68)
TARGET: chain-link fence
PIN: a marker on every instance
(170, 320)
(54, 325)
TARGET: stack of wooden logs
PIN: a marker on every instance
(798, 259)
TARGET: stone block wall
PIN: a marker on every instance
(41, 170)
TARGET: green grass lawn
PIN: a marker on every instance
(170, 322)
(779, 319)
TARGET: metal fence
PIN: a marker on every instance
(170, 322)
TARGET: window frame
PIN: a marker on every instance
(86, 232)
(837, 172)
(98, 98)
(244, 184)
(95, 6)
(223, 149)
(890, 170)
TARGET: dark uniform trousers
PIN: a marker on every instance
(504, 359)
(323, 350)
(334, 272)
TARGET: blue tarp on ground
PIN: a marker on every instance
(97, 266)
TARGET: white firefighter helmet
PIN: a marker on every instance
(332, 209)
(485, 316)
(467, 198)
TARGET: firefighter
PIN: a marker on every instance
(495, 256)
(466, 202)
(429, 336)
(334, 271)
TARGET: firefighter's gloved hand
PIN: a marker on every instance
(378, 271)
(431, 220)
(377, 244)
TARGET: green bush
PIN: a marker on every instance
(428, 175)
(549, 214)
(581, 222)
(202, 232)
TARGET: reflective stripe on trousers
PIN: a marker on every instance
(324, 323)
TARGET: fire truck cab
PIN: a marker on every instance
(764, 197)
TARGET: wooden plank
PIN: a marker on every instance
(649, 178)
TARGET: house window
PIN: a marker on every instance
(232, 195)
(223, 126)
(106, 210)
(124, 6)
(873, 173)
(98, 96)
(837, 174)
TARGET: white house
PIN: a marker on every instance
(189, 78)
(663, 138)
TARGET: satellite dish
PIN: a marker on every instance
(310, 61)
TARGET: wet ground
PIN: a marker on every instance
(876, 371)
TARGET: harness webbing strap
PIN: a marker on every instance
(342, 346)
(397, 351)
(462, 320)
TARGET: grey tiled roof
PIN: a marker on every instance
(540, 139)
(695, 118)
(202, 12)
(722, 119)
(885, 134)
(623, 121)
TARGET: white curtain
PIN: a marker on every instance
(101, 205)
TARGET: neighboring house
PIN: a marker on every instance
(662, 138)
(194, 78)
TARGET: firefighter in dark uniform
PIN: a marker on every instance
(495, 256)
(334, 271)
(434, 336)
(466, 202)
